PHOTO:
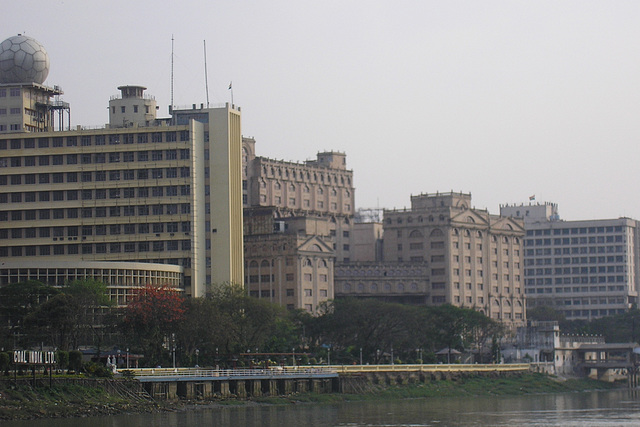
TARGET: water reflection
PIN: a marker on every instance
(619, 408)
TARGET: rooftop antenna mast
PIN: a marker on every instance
(171, 75)
(206, 79)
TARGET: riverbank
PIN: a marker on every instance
(99, 398)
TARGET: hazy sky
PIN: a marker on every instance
(503, 99)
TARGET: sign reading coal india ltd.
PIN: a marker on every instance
(25, 357)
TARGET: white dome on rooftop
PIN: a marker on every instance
(23, 60)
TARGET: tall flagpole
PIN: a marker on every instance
(206, 80)
(231, 89)
(172, 74)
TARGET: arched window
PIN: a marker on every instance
(347, 287)
(306, 263)
(416, 234)
(374, 287)
(264, 263)
(253, 264)
(400, 287)
(436, 233)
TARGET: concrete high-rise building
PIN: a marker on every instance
(584, 269)
(145, 191)
(442, 250)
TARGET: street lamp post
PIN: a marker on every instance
(127, 357)
(360, 356)
(197, 359)
(173, 344)
(392, 355)
(293, 353)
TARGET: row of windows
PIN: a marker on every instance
(97, 176)
(96, 158)
(99, 212)
(302, 175)
(97, 230)
(97, 140)
(97, 248)
(400, 287)
(12, 126)
(576, 260)
(574, 240)
(591, 289)
(587, 313)
(575, 270)
(570, 280)
(305, 189)
(589, 301)
(3, 111)
(390, 272)
(98, 194)
(14, 91)
(576, 230)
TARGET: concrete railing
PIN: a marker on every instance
(198, 372)
(324, 369)
(433, 368)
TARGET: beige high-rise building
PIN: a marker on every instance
(142, 190)
(469, 258)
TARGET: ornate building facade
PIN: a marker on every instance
(298, 221)
(468, 257)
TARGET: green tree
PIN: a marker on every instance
(62, 359)
(5, 361)
(71, 317)
(75, 360)
(545, 313)
(17, 301)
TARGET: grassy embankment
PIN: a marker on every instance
(65, 400)
(72, 400)
(527, 383)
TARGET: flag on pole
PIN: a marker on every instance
(230, 85)
(532, 197)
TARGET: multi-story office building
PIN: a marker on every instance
(469, 258)
(584, 269)
(298, 219)
(141, 190)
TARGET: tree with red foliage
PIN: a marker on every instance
(151, 318)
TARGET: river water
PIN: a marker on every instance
(607, 408)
